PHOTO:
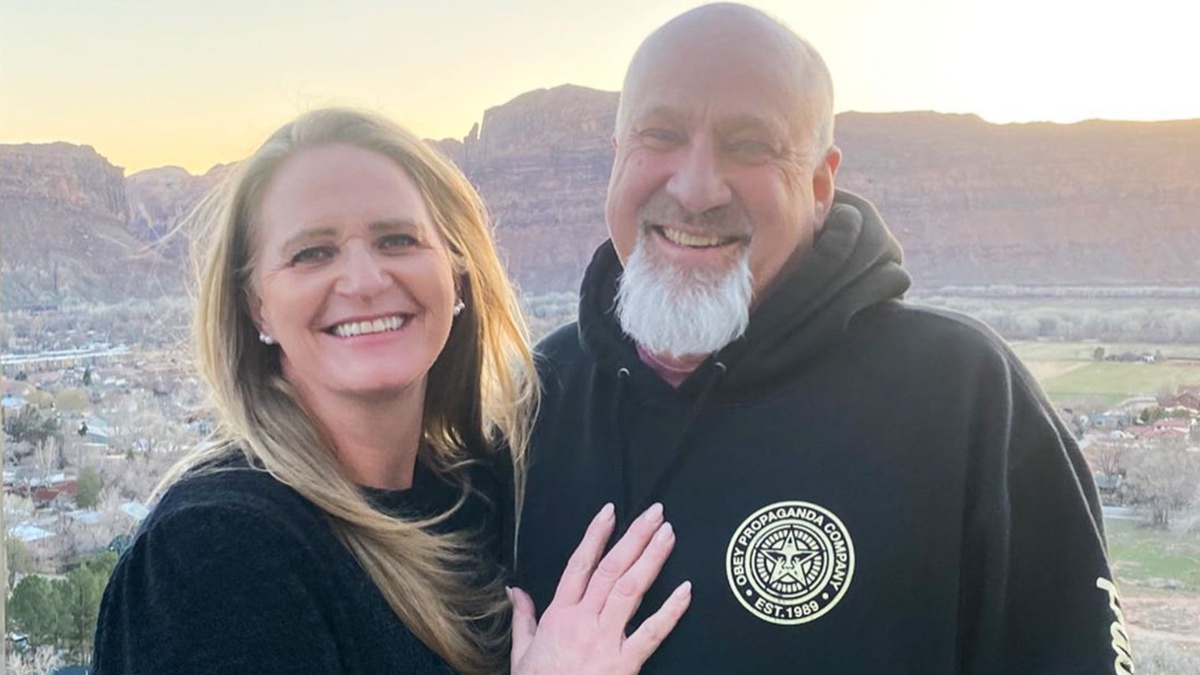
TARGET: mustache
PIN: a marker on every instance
(727, 220)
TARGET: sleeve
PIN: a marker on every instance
(212, 590)
(1038, 595)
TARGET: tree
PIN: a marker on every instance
(39, 399)
(87, 488)
(1108, 458)
(87, 376)
(80, 598)
(32, 425)
(20, 560)
(1098, 354)
(1163, 479)
(34, 609)
(63, 612)
(72, 400)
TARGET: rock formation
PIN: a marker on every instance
(63, 226)
(541, 162)
(973, 203)
(1095, 203)
(159, 199)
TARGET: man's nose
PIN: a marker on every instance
(361, 273)
(699, 182)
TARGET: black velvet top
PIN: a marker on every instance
(235, 572)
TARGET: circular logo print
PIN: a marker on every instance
(790, 562)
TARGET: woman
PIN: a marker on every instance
(362, 346)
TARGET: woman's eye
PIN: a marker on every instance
(396, 241)
(313, 254)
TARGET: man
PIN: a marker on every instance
(857, 485)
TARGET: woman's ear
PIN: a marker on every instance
(254, 307)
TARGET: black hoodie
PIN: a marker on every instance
(857, 485)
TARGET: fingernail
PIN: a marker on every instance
(654, 512)
(685, 588)
(508, 592)
(664, 533)
(606, 512)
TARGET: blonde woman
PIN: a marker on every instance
(363, 349)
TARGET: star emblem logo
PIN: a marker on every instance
(788, 560)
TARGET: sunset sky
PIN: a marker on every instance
(195, 83)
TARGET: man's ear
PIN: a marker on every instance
(823, 178)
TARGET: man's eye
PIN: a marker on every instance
(661, 138)
(396, 242)
(313, 255)
(751, 150)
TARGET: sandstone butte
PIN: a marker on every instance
(1097, 203)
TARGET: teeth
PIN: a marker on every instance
(367, 327)
(685, 239)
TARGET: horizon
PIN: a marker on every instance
(128, 172)
(196, 84)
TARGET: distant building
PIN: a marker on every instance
(1109, 486)
(56, 489)
(1168, 428)
(1112, 420)
(13, 402)
(85, 516)
(1188, 398)
(27, 534)
(135, 510)
(98, 431)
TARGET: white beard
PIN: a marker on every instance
(678, 312)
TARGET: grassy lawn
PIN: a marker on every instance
(1112, 382)
(1036, 350)
(1069, 373)
(1147, 557)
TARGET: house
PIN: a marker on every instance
(135, 510)
(1168, 428)
(13, 402)
(1188, 398)
(27, 534)
(1112, 420)
(1109, 486)
(97, 430)
(60, 495)
(54, 490)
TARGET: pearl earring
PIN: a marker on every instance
(266, 339)
(459, 307)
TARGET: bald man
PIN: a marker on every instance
(857, 485)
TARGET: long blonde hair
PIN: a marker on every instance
(481, 387)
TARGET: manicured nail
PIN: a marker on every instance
(508, 592)
(606, 512)
(664, 533)
(685, 588)
(654, 512)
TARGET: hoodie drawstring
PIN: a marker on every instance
(679, 453)
(622, 454)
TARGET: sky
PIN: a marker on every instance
(197, 83)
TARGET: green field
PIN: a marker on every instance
(1070, 374)
(1145, 556)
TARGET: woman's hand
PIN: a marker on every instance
(583, 629)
